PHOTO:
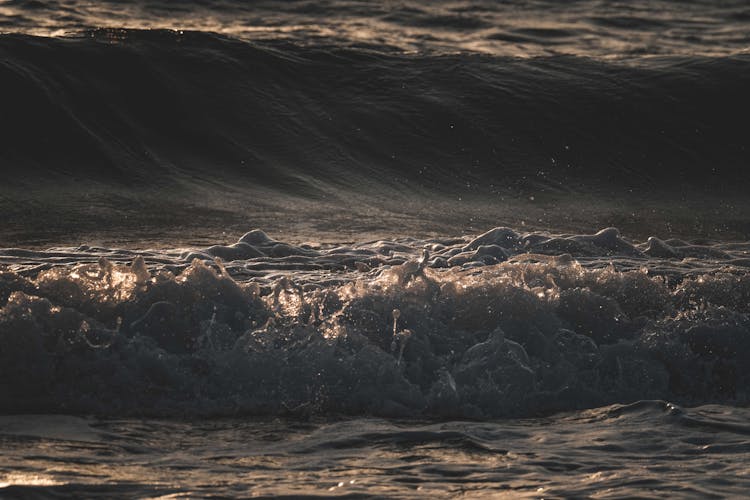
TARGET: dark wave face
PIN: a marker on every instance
(123, 122)
(140, 107)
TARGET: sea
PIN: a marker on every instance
(374, 249)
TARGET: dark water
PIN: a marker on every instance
(138, 108)
(387, 119)
(513, 27)
(380, 341)
(650, 450)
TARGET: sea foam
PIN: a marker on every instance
(503, 324)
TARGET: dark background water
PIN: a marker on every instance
(318, 119)
(610, 29)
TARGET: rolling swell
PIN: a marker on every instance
(143, 108)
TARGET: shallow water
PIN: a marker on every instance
(650, 449)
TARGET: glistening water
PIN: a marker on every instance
(647, 449)
(374, 249)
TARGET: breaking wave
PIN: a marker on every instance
(504, 324)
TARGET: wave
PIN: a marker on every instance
(503, 324)
(539, 27)
(137, 108)
(219, 456)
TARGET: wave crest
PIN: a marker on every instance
(388, 328)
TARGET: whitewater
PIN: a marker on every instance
(227, 339)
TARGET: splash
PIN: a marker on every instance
(504, 324)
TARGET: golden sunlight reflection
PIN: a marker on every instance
(600, 29)
(26, 479)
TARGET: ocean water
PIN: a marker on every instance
(366, 249)
(649, 449)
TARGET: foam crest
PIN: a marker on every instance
(505, 323)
